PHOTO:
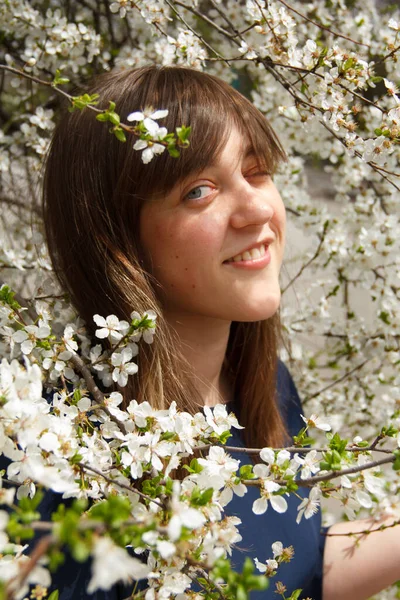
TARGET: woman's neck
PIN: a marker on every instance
(203, 343)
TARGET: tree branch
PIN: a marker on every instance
(15, 584)
(78, 363)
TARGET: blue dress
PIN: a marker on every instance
(258, 531)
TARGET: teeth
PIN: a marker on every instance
(252, 254)
(255, 253)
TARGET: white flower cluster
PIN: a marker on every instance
(134, 453)
(148, 118)
(50, 40)
(44, 439)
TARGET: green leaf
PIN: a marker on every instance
(58, 80)
(81, 102)
(119, 134)
(56, 559)
(390, 431)
(112, 511)
(80, 551)
(338, 445)
(54, 595)
(248, 567)
(384, 316)
(376, 79)
(17, 531)
(203, 498)
(7, 297)
(77, 395)
(348, 64)
(295, 595)
(362, 444)
(291, 485)
(194, 466)
(258, 582)
(396, 464)
(246, 472)
(241, 593)
(183, 134)
(27, 508)
(173, 151)
(114, 118)
(76, 458)
(167, 436)
(223, 438)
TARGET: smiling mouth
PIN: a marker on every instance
(253, 254)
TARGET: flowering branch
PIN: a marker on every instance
(155, 138)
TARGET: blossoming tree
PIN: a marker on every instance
(326, 76)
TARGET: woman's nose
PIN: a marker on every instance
(252, 207)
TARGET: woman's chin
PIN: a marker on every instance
(259, 309)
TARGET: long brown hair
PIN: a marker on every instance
(94, 187)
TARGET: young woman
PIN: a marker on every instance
(199, 239)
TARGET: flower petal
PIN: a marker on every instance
(260, 506)
(278, 503)
(159, 114)
(135, 116)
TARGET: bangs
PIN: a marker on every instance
(208, 105)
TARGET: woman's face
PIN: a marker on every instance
(215, 242)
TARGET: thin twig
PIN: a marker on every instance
(322, 26)
(308, 263)
(228, 21)
(13, 202)
(97, 394)
(293, 449)
(333, 383)
(378, 62)
(190, 28)
(363, 532)
(350, 471)
(207, 20)
(311, 481)
(123, 486)
(376, 441)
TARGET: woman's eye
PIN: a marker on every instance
(199, 192)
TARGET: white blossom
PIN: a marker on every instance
(149, 118)
(110, 327)
(112, 564)
(315, 421)
(123, 366)
(310, 505)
